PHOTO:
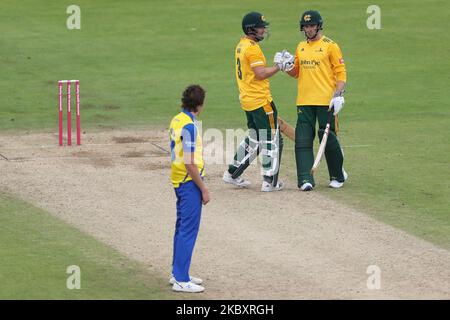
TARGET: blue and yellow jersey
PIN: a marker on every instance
(184, 137)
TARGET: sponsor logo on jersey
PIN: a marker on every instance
(310, 63)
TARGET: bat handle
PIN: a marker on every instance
(330, 113)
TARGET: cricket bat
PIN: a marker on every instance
(321, 150)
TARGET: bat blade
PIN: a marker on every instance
(321, 150)
(323, 144)
(286, 129)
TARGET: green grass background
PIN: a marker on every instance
(134, 58)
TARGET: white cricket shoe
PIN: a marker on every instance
(268, 187)
(187, 287)
(239, 181)
(194, 280)
(336, 184)
(306, 187)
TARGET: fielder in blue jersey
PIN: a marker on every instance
(187, 172)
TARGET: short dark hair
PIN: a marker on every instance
(193, 96)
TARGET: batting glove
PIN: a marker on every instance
(278, 60)
(288, 61)
(288, 66)
(337, 102)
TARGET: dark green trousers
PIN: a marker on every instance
(305, 133)
(261, 123)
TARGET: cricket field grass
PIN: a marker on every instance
(134, 58)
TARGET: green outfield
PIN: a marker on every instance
(37, 249)
(133, 59)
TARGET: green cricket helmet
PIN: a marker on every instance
(251, 21)
(310, 18)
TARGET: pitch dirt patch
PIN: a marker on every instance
(84, 154)
(99, 162)
(154, 166)
(128, 140)
(133, 154)
(284, 245)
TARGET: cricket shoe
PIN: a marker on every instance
(187, 287)
(194, 280)
(336, 184)
(268, 187)
(307, 187)
(239, 181)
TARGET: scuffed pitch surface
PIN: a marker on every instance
(285, 245)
